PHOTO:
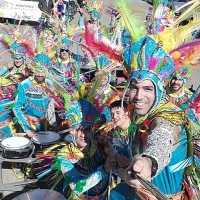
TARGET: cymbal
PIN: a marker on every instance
(40, 194)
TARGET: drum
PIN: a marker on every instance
(45, 139)
(40, 194)
(16, 147)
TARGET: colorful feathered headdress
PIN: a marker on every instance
(95, 9)
(101, 62)
(17, 51)
(186, 58)
(145, 59)
(83, 113)
(40, 62)
(17, 44)
(65, 44)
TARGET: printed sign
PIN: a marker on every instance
(20, 10)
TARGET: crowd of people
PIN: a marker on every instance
(138, 142)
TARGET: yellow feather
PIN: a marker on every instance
(178, 36)
(188, 13)
(134, 62)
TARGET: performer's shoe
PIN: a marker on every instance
(17, 171)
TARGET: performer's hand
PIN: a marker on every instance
(142, 167)
(30, 133)
(122, 160)
(110, 164)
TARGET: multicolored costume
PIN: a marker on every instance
(17, 44)
(159, 126)
(148, 61)
(9, 80)
(83, 172)
(7, 93)
(180, 98)
(185, 61)
(34, 104)
(65, 71)
(18, 52)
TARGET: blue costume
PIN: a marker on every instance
(32, 104)
(7, 91)
(65, 72)
(18, 52)
(9, 80)
(157, 128)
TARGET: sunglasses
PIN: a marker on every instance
(66, 50)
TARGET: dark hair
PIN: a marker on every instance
(118, 104)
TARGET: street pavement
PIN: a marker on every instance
(8, 175)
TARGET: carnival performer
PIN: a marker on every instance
(11, 75)
(157, 122)
(94, 10)
(18, 66)
(100, 89)
(176, 91)
(34, 106)
(64, 68)
(84, 164)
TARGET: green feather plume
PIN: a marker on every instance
(132, 21)
(7, 38)
(155, 4)
(40, 45)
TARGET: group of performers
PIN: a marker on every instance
(149, 131)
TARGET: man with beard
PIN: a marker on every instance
(176, 92)
(33, 103)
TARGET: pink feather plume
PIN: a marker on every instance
(188, 45)
(100, 46)
(28, 49)
(6, 44)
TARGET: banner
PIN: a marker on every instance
(20, 10)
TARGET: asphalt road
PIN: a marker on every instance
(8, 176)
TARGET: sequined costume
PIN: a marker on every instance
(65, 73)
(32, 104)
(180, 98)
(7, 92)
(87, 176)
(18, 52)
(15, 70)
(64, 69)
(147, 61)
(8, 84)
(162, 126)
(84, 175)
